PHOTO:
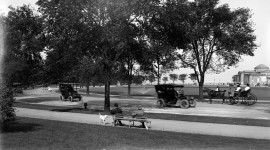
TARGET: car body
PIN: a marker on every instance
(173, 95)
(67, 91)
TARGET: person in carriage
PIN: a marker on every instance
(237, 91)
(246, 91)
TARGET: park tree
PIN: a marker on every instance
(183, 77)
(192, 77)
(70, 34)
(88, 72)
(24, 42)
(151, 78)
(207, 36)
(161, 57)
(138, 79)
(173, 77)
(6, 93)
(165, 79)
(102, 29)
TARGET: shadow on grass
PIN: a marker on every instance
(39, 99)
(76, 110)
(17, 126)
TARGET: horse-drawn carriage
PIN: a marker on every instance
(173, 95)
(68, 92)
(215, 94)
(246, 97)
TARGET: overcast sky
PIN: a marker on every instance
(260, 10)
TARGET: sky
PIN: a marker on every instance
(259, 9)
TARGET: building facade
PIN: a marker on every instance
(260, 76)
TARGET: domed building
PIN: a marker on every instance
(259, 76)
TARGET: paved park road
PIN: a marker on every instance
(255, 132)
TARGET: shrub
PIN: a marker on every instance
(7, 110)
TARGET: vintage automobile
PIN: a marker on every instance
(67, 91)
(173, 95)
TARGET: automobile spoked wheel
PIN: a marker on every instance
(184, 104)
(160, 104)
(70, 98)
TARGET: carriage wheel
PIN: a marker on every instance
(231, 100)
(70, 98)
(227, 100)
(184, 104)
(249, 100)
(236, 100)
(192, 103)
(254, 97)
(160, 104)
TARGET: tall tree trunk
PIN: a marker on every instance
(129, 88)
(201, 82)
(87, 87)
(158, 74)
(107, 96)
(129, 82)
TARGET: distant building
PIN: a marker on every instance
(259, 76)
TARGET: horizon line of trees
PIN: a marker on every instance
(105, 41)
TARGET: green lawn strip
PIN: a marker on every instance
(261, 92)
(164, 116)
(36, 134)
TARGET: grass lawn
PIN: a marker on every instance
(262, 93)
(33, 134)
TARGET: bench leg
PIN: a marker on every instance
(145, 124)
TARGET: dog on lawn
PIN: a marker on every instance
(102, 119)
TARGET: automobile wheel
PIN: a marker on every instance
(160, 104)
(70, 98)
(192, 103)
(61, 97)
(184, 104)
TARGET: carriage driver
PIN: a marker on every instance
(216, 91)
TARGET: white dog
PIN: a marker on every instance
(102, 119)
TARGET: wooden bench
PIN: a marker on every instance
(131, 120)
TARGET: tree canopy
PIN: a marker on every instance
(206, 36)
(105, 39)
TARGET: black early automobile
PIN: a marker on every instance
(173, 95)
(68, 92)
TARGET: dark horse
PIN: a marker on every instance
(213, 94)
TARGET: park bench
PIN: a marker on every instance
(131, 120)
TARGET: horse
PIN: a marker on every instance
(212, 93)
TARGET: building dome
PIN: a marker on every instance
(261, 67)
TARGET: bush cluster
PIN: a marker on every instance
(7, 110)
